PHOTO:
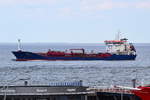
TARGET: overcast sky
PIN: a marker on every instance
(74, 21)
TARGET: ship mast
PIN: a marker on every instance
(19, 44)
(118, 36)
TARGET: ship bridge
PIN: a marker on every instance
(119, 46)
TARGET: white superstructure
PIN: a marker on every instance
(119, 46)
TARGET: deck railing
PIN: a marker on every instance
(76, 83)
(111, 90)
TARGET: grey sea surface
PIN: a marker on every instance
(93, 73)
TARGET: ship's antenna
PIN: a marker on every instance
(19, 44)
(118, 35)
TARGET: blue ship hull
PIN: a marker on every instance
(25, 56)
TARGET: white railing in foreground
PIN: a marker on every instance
(112, 89)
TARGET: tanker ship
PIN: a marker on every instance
(118, 49)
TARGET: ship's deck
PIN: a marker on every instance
(47, 92)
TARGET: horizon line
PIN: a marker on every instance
(68, 42)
